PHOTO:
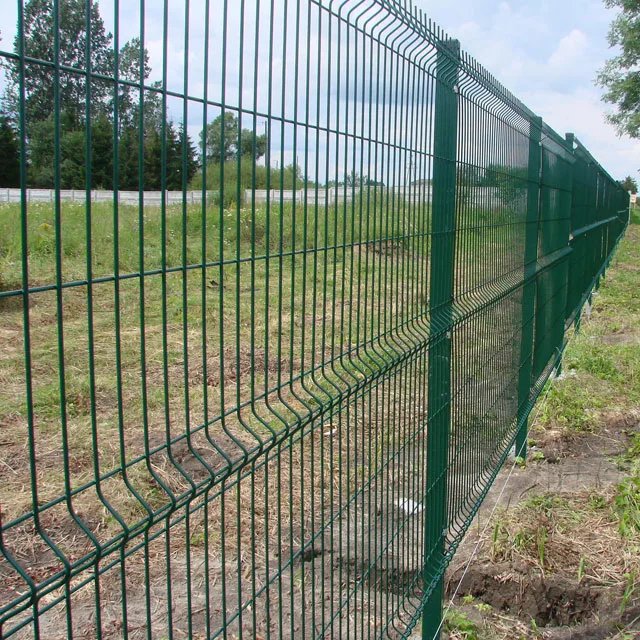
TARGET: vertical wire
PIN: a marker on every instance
(314, 299)
(252, 549)
(221, 298)
(26, 323)
(324, 280)
(183, 138)
(349, 430)
(164, 303)
(116, 307)
(277, 463)
(57, 161)
(203, 308)
(303, 311)
(238, 315)
(142, 302)
(90, 328)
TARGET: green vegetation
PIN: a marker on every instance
(620, 76)
(460, 626)
(223, 139)
(247, 254)
(627, 505)
(589, 538)
(603, 360)
(630, 184)
(230, 179)
(9, 155)
(79, 138)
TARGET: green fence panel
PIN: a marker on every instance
(275, 411)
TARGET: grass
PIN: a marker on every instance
(292, 295)
(604, 357)
(460, 627)
(169, 378)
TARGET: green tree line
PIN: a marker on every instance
(96, 124)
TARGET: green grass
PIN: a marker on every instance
(603, 359)
(294, 292)
(460, 626)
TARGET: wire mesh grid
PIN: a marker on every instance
(272, 412)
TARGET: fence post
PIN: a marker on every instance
(441, 297)
(529, 290)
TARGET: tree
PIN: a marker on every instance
(176, 144)
(352, 180)
(128, 169)
(222, 144)
(509, 182)
(128, 106)
(73, 160)
(69, 50)
(41, 152)
(9, 155)
(630, 184)
(620, 76)
(101, 153)
(135, 118)
(190, 152)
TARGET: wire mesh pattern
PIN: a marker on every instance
(273, 414)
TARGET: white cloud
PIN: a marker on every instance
(583, 113)
(548, 54)
(569, 52)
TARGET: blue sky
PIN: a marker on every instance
(546, 53)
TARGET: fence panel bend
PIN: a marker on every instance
(270, 409)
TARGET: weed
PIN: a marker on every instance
(536, 456)
(631, 455)
(494, 540)
(570, 407)
(197, 539)
(627, 505)
(581, 568)
(458, 623)
(541, 503)
(629, 588)
(541, 541)
(596, 361)
(596, 501)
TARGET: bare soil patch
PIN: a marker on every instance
(551, 563)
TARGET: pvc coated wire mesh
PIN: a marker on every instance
(274, 411)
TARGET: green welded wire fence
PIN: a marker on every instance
(273, 411)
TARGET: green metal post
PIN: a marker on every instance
(441, 290)
(529, 291)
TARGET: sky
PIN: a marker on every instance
(545, 52)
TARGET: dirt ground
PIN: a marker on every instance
(506, 591)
